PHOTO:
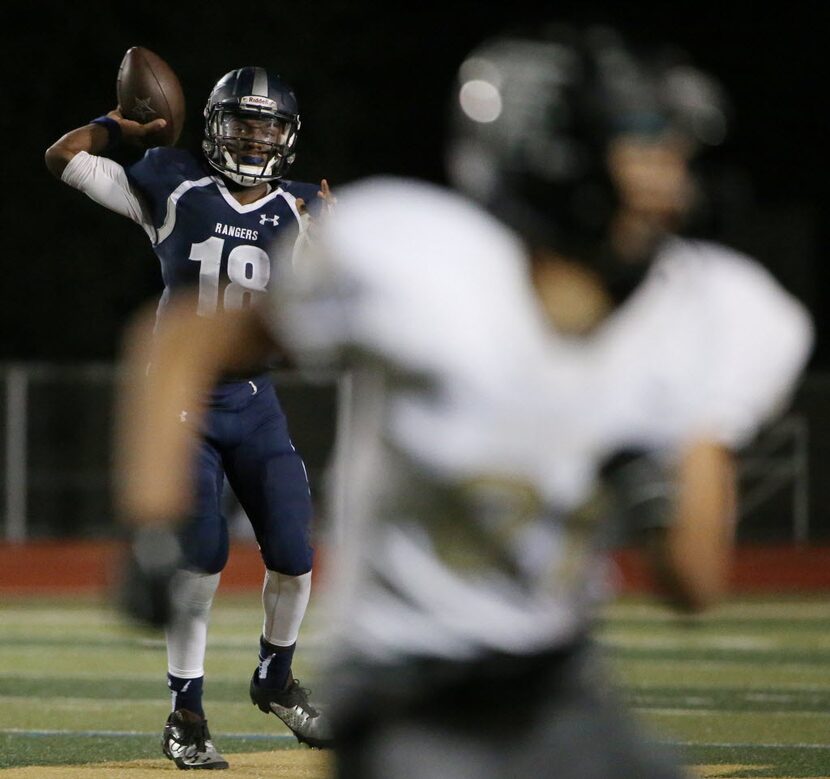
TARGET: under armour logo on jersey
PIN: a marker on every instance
(274, 220)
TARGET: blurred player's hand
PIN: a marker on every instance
(144, 591)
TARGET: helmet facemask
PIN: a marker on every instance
(250, 145)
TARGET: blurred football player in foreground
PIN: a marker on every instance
(531, 356)
(211, 216)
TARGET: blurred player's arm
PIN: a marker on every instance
(691, 554)
(681, 515)
(157, 410)
(186, 355)
(763, 340)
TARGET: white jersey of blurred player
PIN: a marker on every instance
(481, 402)
(470, 566)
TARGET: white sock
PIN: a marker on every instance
(284, 601)
(187, 634)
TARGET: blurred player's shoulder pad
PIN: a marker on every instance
(416, 223)
(751, 337)
(398, 250)
(740, 285)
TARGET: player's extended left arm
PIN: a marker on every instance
(186, 354)
(154, 438)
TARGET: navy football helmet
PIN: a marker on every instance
(251, 124)
(534, 115)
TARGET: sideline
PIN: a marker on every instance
(63, 567)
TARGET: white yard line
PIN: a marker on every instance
(740, 745)
(137, 733)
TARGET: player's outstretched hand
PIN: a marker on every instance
(144, 591)
(326, 194)
(136, 133)
(311, 225)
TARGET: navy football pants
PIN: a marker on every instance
(245, 436)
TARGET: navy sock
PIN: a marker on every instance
(187, 693)
(274, 665)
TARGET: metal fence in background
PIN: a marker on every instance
(56, 432)
(56, 429)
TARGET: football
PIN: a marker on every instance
(148, 89)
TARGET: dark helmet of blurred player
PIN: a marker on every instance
(251, 124)
(535, 120)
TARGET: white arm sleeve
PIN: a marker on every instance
(105, 181)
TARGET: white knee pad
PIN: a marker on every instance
(284, 600)
(187, 633)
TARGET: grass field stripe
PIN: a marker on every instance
(728, 745)
(714, 665)
(717, 712)
(137, 734)
(219, 645)
(70, 701)
(148, 676)
(729, 664)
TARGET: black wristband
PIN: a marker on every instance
(113, 130)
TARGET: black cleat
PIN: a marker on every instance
(291, 705)
(186, 741)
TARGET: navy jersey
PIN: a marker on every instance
(204, 238)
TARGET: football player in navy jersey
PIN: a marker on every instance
(211, 219)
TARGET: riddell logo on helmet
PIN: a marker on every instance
(257, 101)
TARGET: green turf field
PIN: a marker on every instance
(742, 692)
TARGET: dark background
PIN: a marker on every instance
(372, 81)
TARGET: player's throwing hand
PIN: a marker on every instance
(135, 133)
